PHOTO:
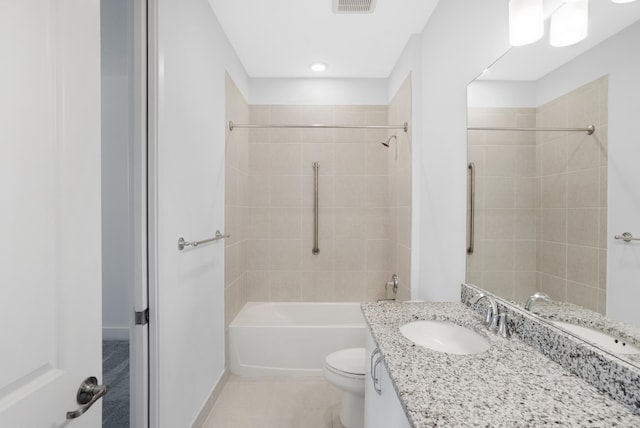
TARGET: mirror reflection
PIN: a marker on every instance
(540, 198)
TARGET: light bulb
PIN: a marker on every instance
(318, 67)
(570, 23)
(526, 21)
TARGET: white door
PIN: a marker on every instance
(50, 299)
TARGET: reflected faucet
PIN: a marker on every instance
(539, 295)
(491, 320)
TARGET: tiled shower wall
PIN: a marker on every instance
(541, 200)
(354, 225)
(400, 191)
(504, 257)
(572, 197)
(236, 204)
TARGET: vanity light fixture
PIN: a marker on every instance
(318, 67)
(526, 21)
(570, 23)
(623, 1)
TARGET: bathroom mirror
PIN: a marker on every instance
(538, 204)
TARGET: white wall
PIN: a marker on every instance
(619, 56)
(318, 91)
(187, 190)
(117, 145)
(459, 41)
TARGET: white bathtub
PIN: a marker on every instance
(291, 339)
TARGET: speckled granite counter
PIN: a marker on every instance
(568, 312)
(510, 385)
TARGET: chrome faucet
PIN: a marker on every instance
(491, 320)
(535, 297)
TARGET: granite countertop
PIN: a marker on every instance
(510, 385)
(574, 314)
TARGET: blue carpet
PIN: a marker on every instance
(115, 369)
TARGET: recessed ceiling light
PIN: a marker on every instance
(318, 67)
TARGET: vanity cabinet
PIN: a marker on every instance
(382, 408)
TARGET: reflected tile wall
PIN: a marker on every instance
(541, 200)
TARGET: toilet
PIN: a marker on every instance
(345, 369)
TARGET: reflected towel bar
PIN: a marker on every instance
(588, 130)
(626, 237)
(182, 243)
(316, 250)
(404, 126)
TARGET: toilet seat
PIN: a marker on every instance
(347, 362)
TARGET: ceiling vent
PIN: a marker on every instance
(354, 6)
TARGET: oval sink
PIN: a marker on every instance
(600, 338)
(444, 336)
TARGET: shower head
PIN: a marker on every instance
(388, 140)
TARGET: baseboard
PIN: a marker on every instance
(208, 405)
(115, 333)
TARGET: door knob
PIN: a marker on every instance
(88, 393)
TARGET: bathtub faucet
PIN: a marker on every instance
(394, 287)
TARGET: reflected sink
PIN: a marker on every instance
(444, 336)
(603, 340)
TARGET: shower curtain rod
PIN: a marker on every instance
(588, 130)
(404, 127)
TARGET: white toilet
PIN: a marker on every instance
(346, 369)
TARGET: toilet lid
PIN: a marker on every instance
(350, 360)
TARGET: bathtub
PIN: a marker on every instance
(291, 339)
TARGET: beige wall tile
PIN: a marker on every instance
(525, 256)
(500, 283)
(500, 161)
(555, 287)
(285, 159)
(377, 256)
(285, 223)
(582, 227)
(499, 192)
(554, 191)
(582, 295)
(582, 265)
(554, 225)
(349, 190)
(499, 255)
(317, 286)
(349, 254)
(499, 224)
(349, 286)
(554, 259)
(285, 191)
(525, 285)
(525, 224)
(554, 157)
(285, 254)
(258, 191)
(583, 188)
(257, 285)
(377, 191)
(285, 286)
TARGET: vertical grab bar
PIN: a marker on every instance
(472, 205)
(316, 167)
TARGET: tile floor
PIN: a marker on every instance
(276, 402)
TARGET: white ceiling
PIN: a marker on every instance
(534, 61)
(281, 38)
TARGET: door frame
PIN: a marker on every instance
(138, 296)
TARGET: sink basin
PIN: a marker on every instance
(603, 340)
(444, 336)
